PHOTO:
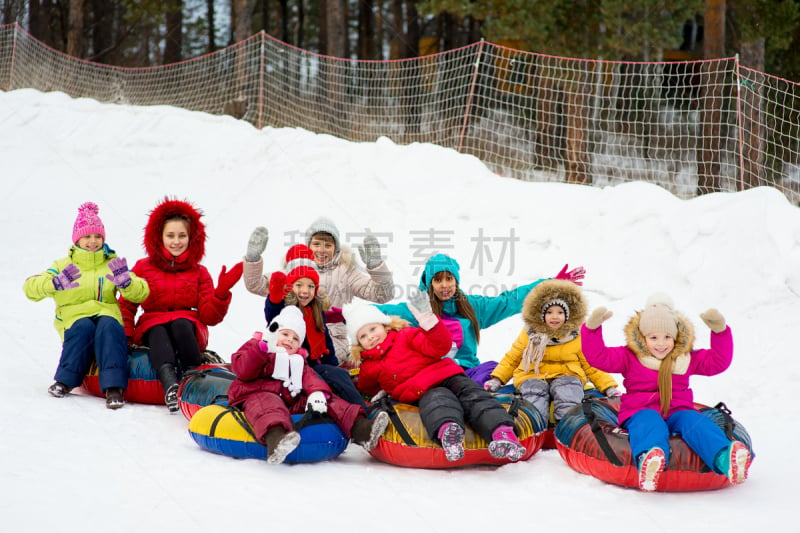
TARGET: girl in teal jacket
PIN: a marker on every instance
(466, 314)
(84, 286)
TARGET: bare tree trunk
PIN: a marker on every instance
(212, 45)
(102, 39)
(366, 29)
(301, 24)
(284, 7)
(336, 20)
(242, 19)
(396, 47)
(752, 124)
(173, 40)
(323, 27)
(412, 29)
(708, 178)
(576, 111)
(75, 29)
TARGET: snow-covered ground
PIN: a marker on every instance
(72, 465)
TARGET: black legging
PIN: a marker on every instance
(175, 343)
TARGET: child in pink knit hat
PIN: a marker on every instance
(84, 286)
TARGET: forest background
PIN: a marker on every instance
(141, 33)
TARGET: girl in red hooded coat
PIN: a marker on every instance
(410, 365)
(183, 301)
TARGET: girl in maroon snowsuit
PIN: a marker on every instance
(273, 382)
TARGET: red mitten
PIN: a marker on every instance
(278, 289)
(334, 315)
(227, 280)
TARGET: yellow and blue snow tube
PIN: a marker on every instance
(224, 430)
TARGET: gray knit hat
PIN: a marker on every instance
(324, 225)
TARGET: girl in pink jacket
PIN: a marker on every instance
(656, 366)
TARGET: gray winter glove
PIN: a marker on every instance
(370, 252)
(613, 392)
(492, 385)
(598, 316)
(714, 320)
(257, 244)
(419, 303)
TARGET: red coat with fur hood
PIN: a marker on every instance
(408, 363)
(180, 287)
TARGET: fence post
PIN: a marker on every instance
(739, 121)
(261, 60)
(470, 95)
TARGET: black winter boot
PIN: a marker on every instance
(280, 444)
(168, 377)
(366, 431)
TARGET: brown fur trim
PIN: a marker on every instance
(549, 290)
(684, 340)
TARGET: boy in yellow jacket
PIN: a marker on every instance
(546, 361)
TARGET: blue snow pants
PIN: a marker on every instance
(101, 338)
(648, 428)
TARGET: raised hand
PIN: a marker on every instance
(419, 304)
(66, 278)
(227, 279)
(120, 275)
(575, 275)
(714, 320)
(370, 252)
(257, 244)
(598, 316)
(278, 289)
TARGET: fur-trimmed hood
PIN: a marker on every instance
(684, 342)
(547, 291)
(154, 243)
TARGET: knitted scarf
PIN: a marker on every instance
(537, 342)
(316, 339)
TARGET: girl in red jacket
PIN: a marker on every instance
(183, 301)
(409, 364)
(274, 381)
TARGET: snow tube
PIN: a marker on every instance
(224, 430)
(143, 385)
(406, 443)
(589, 439)
(205, 385)
(549, 437)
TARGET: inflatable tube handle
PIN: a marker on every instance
(597, 431)
(386, 405)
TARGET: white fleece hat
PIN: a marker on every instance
(290, 318)
(358, 315)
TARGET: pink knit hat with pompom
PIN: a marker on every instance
(87, 222)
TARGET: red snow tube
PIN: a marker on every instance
(406, 443)
(584, 431)
(143, 385)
